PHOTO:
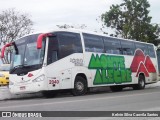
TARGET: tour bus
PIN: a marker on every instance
(78, 60)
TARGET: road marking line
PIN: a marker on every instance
(63, 102)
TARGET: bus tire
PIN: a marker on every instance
(141, 83)
(80, 86)
(49, 94)
(116, 88)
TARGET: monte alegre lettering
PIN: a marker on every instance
(109, 69)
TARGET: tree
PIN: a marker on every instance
(66, 26)
(130, 20)
(12, 26)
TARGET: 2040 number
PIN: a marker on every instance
(53, 81)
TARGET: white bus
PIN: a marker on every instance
(78, 60)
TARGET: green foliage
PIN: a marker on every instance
(131, 20)
(14, 25)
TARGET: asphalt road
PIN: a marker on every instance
(127, 100)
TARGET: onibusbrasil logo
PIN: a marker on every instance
(111, 69)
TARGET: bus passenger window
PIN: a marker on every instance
(143, 47)
(151, 51)
(52, 58)
(128, 47)
(112, 45)
(93, 43)
(69, 43)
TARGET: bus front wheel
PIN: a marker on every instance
(80, 86)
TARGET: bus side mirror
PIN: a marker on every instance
(4, 48)
(40, 39)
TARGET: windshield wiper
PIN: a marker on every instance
(18, 66)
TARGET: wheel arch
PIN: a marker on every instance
(83, 75)
(140, 85)
(80, 85)
(143, 74)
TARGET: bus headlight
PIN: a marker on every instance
(11, 83)
(38, 79)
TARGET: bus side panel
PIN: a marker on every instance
(60, 72)
(107, 70)
(153, 76)
(82, 70)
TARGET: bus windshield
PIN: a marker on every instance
(26, 57)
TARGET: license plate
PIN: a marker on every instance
(22, 87)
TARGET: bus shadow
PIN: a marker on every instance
(92, 91)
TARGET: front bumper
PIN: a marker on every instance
(27, 88)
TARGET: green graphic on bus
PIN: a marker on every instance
(109, 69)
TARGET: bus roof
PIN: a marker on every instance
(82, 31)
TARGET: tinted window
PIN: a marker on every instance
(158, 58)
(143, 47)
(151, 52)
(112, 45)
(128, 47)
(52, 50)
(93, 43)
(69, 43)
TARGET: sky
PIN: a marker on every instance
(46, 14)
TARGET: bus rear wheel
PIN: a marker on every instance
(141, 83)
(80, 86)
